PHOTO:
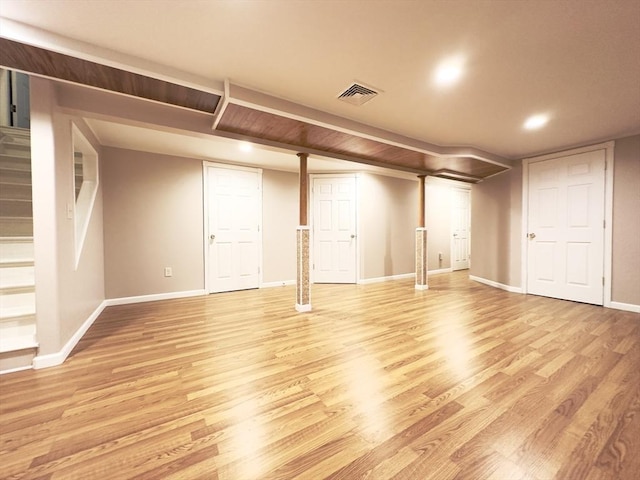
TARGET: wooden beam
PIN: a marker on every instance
(421, 202)
(304, 188)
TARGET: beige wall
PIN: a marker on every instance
(388, 211)
(438, 201)
(153, 218)
(279, 222)
(626, 222)
(496, 208)
(66, 296)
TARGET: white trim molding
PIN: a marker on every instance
(155, 297)
(401, 276)
(491, 283)
(53, 359)
(628, 307)
(283, 283)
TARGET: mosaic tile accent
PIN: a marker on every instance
(303, 286)
(421, 259)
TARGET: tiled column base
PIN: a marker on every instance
(421, 259)
(303, 286)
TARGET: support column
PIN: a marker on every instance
(421, 242)
(303, 285)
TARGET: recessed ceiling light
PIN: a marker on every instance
(449, 71)
(245, 146)
(536, 121)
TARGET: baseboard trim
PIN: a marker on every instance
(303, 308)
(277, 284)
(422, 287)
(439, 271)
(14, 370)
(155, 297)
(491, 283)
(402, 276)
(53, 359)
(628, 307)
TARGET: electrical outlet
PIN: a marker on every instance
(168, 272)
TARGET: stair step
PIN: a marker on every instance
(11, 191)
(15, 135)
(14, 177)
(17, 306)
(16, 249)
(17, 277)
(10, 161)
(16, 208)
(16, 226)
(17, 337)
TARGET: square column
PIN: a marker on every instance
(421, 259)
(303, 285)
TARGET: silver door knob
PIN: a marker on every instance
(212, 237)
(532, 236)
(353, 236)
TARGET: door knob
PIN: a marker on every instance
(532, 236)
(353, 235)
(212, 237)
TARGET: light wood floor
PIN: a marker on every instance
(380, 381)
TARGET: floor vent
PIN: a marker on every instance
(357, 94)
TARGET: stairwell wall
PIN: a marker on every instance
(67, 298)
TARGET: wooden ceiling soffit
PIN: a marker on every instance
(39, 61)
(276, 122)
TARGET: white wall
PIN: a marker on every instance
(66, 296)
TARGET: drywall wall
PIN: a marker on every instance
(153, 218)
(496, 208)
(625, 282)
(66, 296)
(279, 221)
(388, 212)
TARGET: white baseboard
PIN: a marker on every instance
(14, 370)
(402, 276)
(53, 359)
(491, 283)
(421, 287)
(439, 271)
(277, 284)
(629, 307)
(155, 297)
(303, 308)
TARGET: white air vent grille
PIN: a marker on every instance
(357, 94)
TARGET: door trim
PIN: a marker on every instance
(451, 243)
(608, 147)
(205, 218)
(313, 176)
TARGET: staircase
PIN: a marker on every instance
(18, 344)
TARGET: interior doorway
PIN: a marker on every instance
(460, 228)
(233, 219)
(334, 228)
(565, 225)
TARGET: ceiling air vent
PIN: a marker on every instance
(357, 94)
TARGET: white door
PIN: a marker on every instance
(565, 254)
(233, 229)
(460, 228)
(334, 229)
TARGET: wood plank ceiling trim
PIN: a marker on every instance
(39, 61)
(254, 123)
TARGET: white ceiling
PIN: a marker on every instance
(577, 60)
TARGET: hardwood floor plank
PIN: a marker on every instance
(379, 381)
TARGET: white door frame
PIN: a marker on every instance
(451, 243)
(205, 219)
(355, 176)
(608, 210)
